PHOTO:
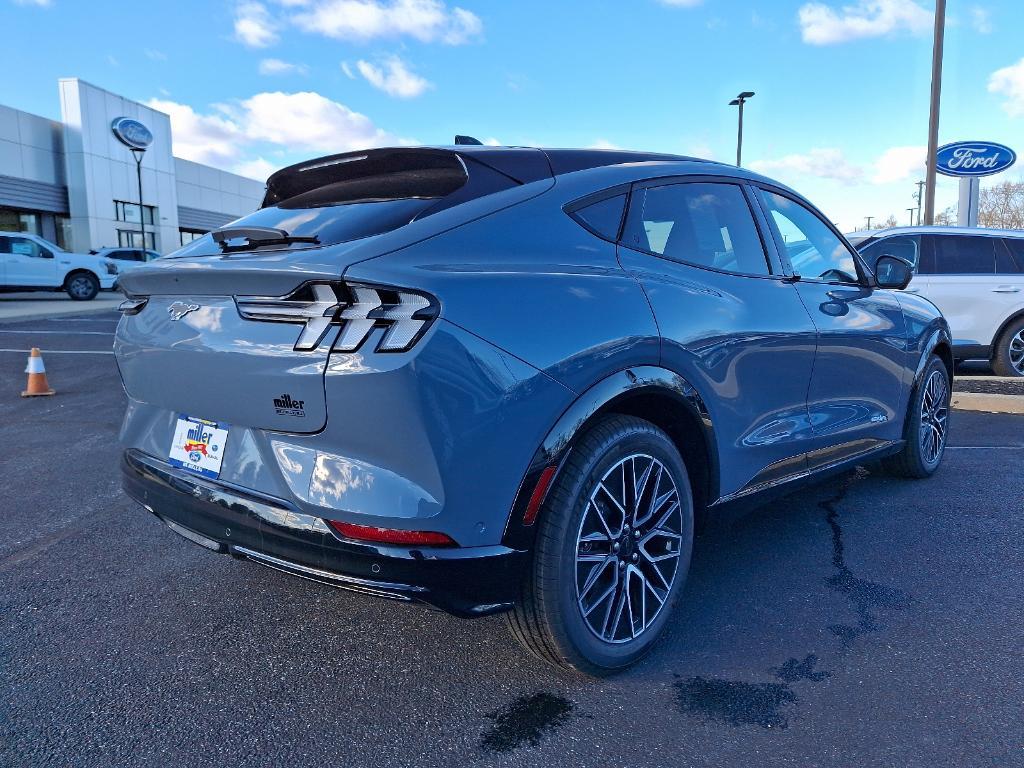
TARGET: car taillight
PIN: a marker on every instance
(133, 305)
(390, 535)
(405, 315)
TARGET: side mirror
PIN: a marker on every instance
(893, 272)
(46, 253)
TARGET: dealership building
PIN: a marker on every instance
(75, 182)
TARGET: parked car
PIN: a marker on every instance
(30, 263)
(498, 379)
(126, 258)
(975, 276)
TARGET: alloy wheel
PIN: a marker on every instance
(934, 416)
(80, 286)
(627, 548)
(1017, 352)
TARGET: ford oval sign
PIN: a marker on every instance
(131, 133)
(973, 158)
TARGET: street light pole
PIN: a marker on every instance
(911, 212)
(138, 152)
(933, 112)
(869, 218)
(739, 101)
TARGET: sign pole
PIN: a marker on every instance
(933, 112)
(967, 208)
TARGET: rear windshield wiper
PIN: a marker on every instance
(256, 237)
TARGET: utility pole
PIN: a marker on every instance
(739, 101)
(933, 112)
(869, 218)
(911, 212)
(920, 187)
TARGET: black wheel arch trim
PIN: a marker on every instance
(938, 337)
(1019, 315)
(616, 388)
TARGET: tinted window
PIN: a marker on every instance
(963, 255)
(603, 217)
(708, 225)
(1010, 258)
(905, 246)
(815, 251)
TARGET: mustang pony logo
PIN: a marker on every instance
(179, 309)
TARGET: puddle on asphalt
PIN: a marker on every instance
(736, 703)
(526, 721)
(793, 670)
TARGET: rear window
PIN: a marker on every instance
(348, 197)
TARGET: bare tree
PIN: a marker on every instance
(1002, 205)
(946, 218)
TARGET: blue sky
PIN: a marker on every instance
(840, 113)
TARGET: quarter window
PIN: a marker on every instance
(814, 250)
(603, 217)
(962, 255)
(704, 224)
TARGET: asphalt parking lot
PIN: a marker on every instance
(865, 621)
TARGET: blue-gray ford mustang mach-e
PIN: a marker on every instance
(504, 379)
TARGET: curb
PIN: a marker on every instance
(973, 401)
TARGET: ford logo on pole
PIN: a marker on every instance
(131, 132)
(973, 158)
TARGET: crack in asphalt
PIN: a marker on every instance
(526, 721)
(865, 595)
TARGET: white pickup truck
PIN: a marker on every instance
(28, 262)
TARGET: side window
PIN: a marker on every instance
(814, 250)
(964, 255)
(25, 247)
(704, 224)
(1010, 257)
(905, 246)
(603, 217)
(5, 245)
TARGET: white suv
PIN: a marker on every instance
(975, 276)
(28, 262)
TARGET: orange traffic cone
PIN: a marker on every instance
(37, 384)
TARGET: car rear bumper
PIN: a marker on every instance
(464, 581)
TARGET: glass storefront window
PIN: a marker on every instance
(12, 220)
(130, 238)
(188, 235)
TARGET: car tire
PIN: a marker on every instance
(82, 286)
(1008, 356)
(583, 527)
(927, 425)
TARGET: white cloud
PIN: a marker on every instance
(701, 150)
(258, 168)
(154, 55)
(38, 3)
(823, 163)
(899, 163)
(302, 121)
(821, 24)
(394, 77)
(681, 3)
(1009, 81)
(202, 138)
(493, 142)
(310, 121)
(254, 26)
(347, 69)
(279, 67)
(603, 144)
(981, 20)
(424, 20)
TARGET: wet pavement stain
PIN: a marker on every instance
(526, 721)
(736, 703)
(793, 670)
(865, 595)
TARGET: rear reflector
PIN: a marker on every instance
(539, 492)
(390, 536)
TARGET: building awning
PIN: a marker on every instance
(196, 218)
(33, 195)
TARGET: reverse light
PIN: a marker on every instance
(405, 315)
(390, 535)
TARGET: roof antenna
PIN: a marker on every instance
(468, 140)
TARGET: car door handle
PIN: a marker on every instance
(1006, 289)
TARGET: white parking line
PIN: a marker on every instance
(65, 351)
(62, 333)
(985, 447)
